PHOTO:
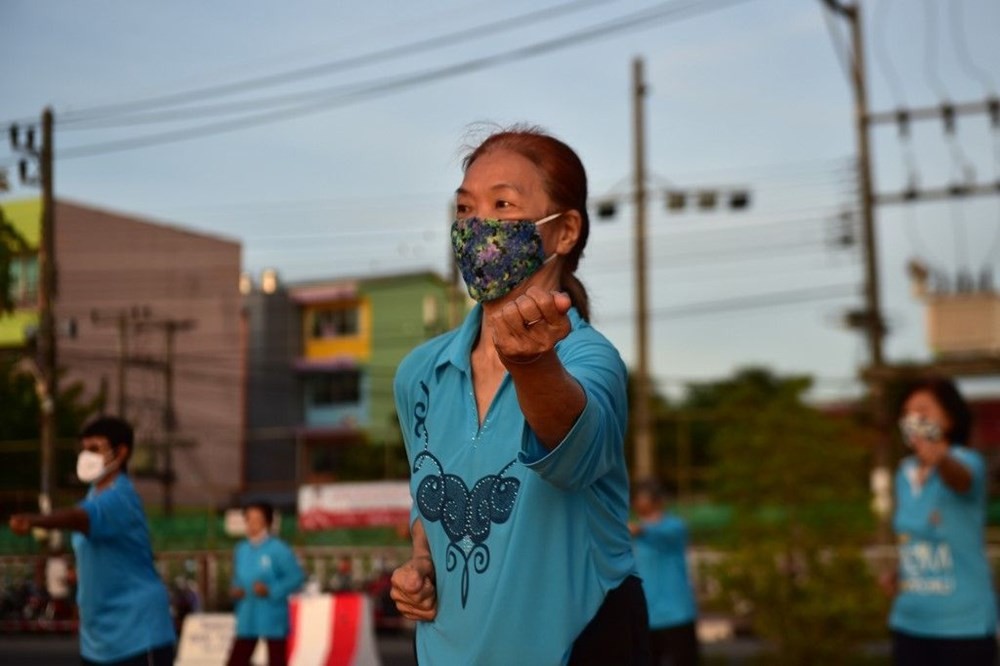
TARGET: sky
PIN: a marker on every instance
(327, 138)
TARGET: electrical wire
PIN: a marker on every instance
(882, 56)
(402, 51)
(931, 52)
(324, 100)
(840, 48)
(960, 37)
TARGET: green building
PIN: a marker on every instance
(25, 217)
(320, 365)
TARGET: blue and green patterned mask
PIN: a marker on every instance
(495, 256)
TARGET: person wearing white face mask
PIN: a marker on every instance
(124, 606)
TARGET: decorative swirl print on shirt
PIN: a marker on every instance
(466, 516)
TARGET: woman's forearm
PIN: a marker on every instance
(954, 474)
(421, 546)
(550, 398)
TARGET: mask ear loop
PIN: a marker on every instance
(545, 220)
(549, 218)
(113, 465)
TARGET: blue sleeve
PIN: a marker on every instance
(111, 514)
(973, 462)
(288, 574)
(595, 443)
(401, 386)
(667, 532)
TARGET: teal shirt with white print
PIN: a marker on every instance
(945, 584)
(525, 541)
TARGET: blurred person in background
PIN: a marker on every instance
(123, 604)
(265, 574)
(660, 540)
(945, 609)
(514, 426)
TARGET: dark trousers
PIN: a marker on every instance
(243, 649)
(678, 645)
(908, 650)
(619, 633)
(161, 656)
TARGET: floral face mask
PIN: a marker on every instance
(914, 426)
(495, 256)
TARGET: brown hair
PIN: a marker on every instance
(951, 401)
(565, 183)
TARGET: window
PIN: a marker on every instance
(24, 281)
(335, 323)
(335, 388)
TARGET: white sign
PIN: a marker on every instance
(324, 506)
(207, 638)
(235, 524)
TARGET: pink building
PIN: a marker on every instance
(126, 286)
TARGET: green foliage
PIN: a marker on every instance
(20, 427)
(813, 605)
(796, 479)
(12, 244)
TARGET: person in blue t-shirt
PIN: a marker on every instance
(124, 607)
(514, 426)
(945, 610)
(659, 539)
(265, 574)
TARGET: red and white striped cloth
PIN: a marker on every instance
(331, 630)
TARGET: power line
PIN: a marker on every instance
(322, 100)
(407, 50)
(758, 301)
(839, 46)
(960, 38)
(882, 56)
(930, 50)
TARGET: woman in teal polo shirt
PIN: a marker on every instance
(514, 426)
(265, 574)
(945, 609)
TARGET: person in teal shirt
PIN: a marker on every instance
(660, 540)
(514, 426)
(945, 608)
(124, 607)
(265, 574)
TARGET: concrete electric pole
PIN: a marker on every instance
(643, 464)
(45, 340)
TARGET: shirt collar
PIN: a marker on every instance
(261, 538)
(458, 352)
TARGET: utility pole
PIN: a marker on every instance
(643, 466)
(170, 327)
(45, 339)
(643, 442)
(46, 297)
(122, 319)
(871, 321)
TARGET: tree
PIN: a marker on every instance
(796, 479)
(20, 428)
